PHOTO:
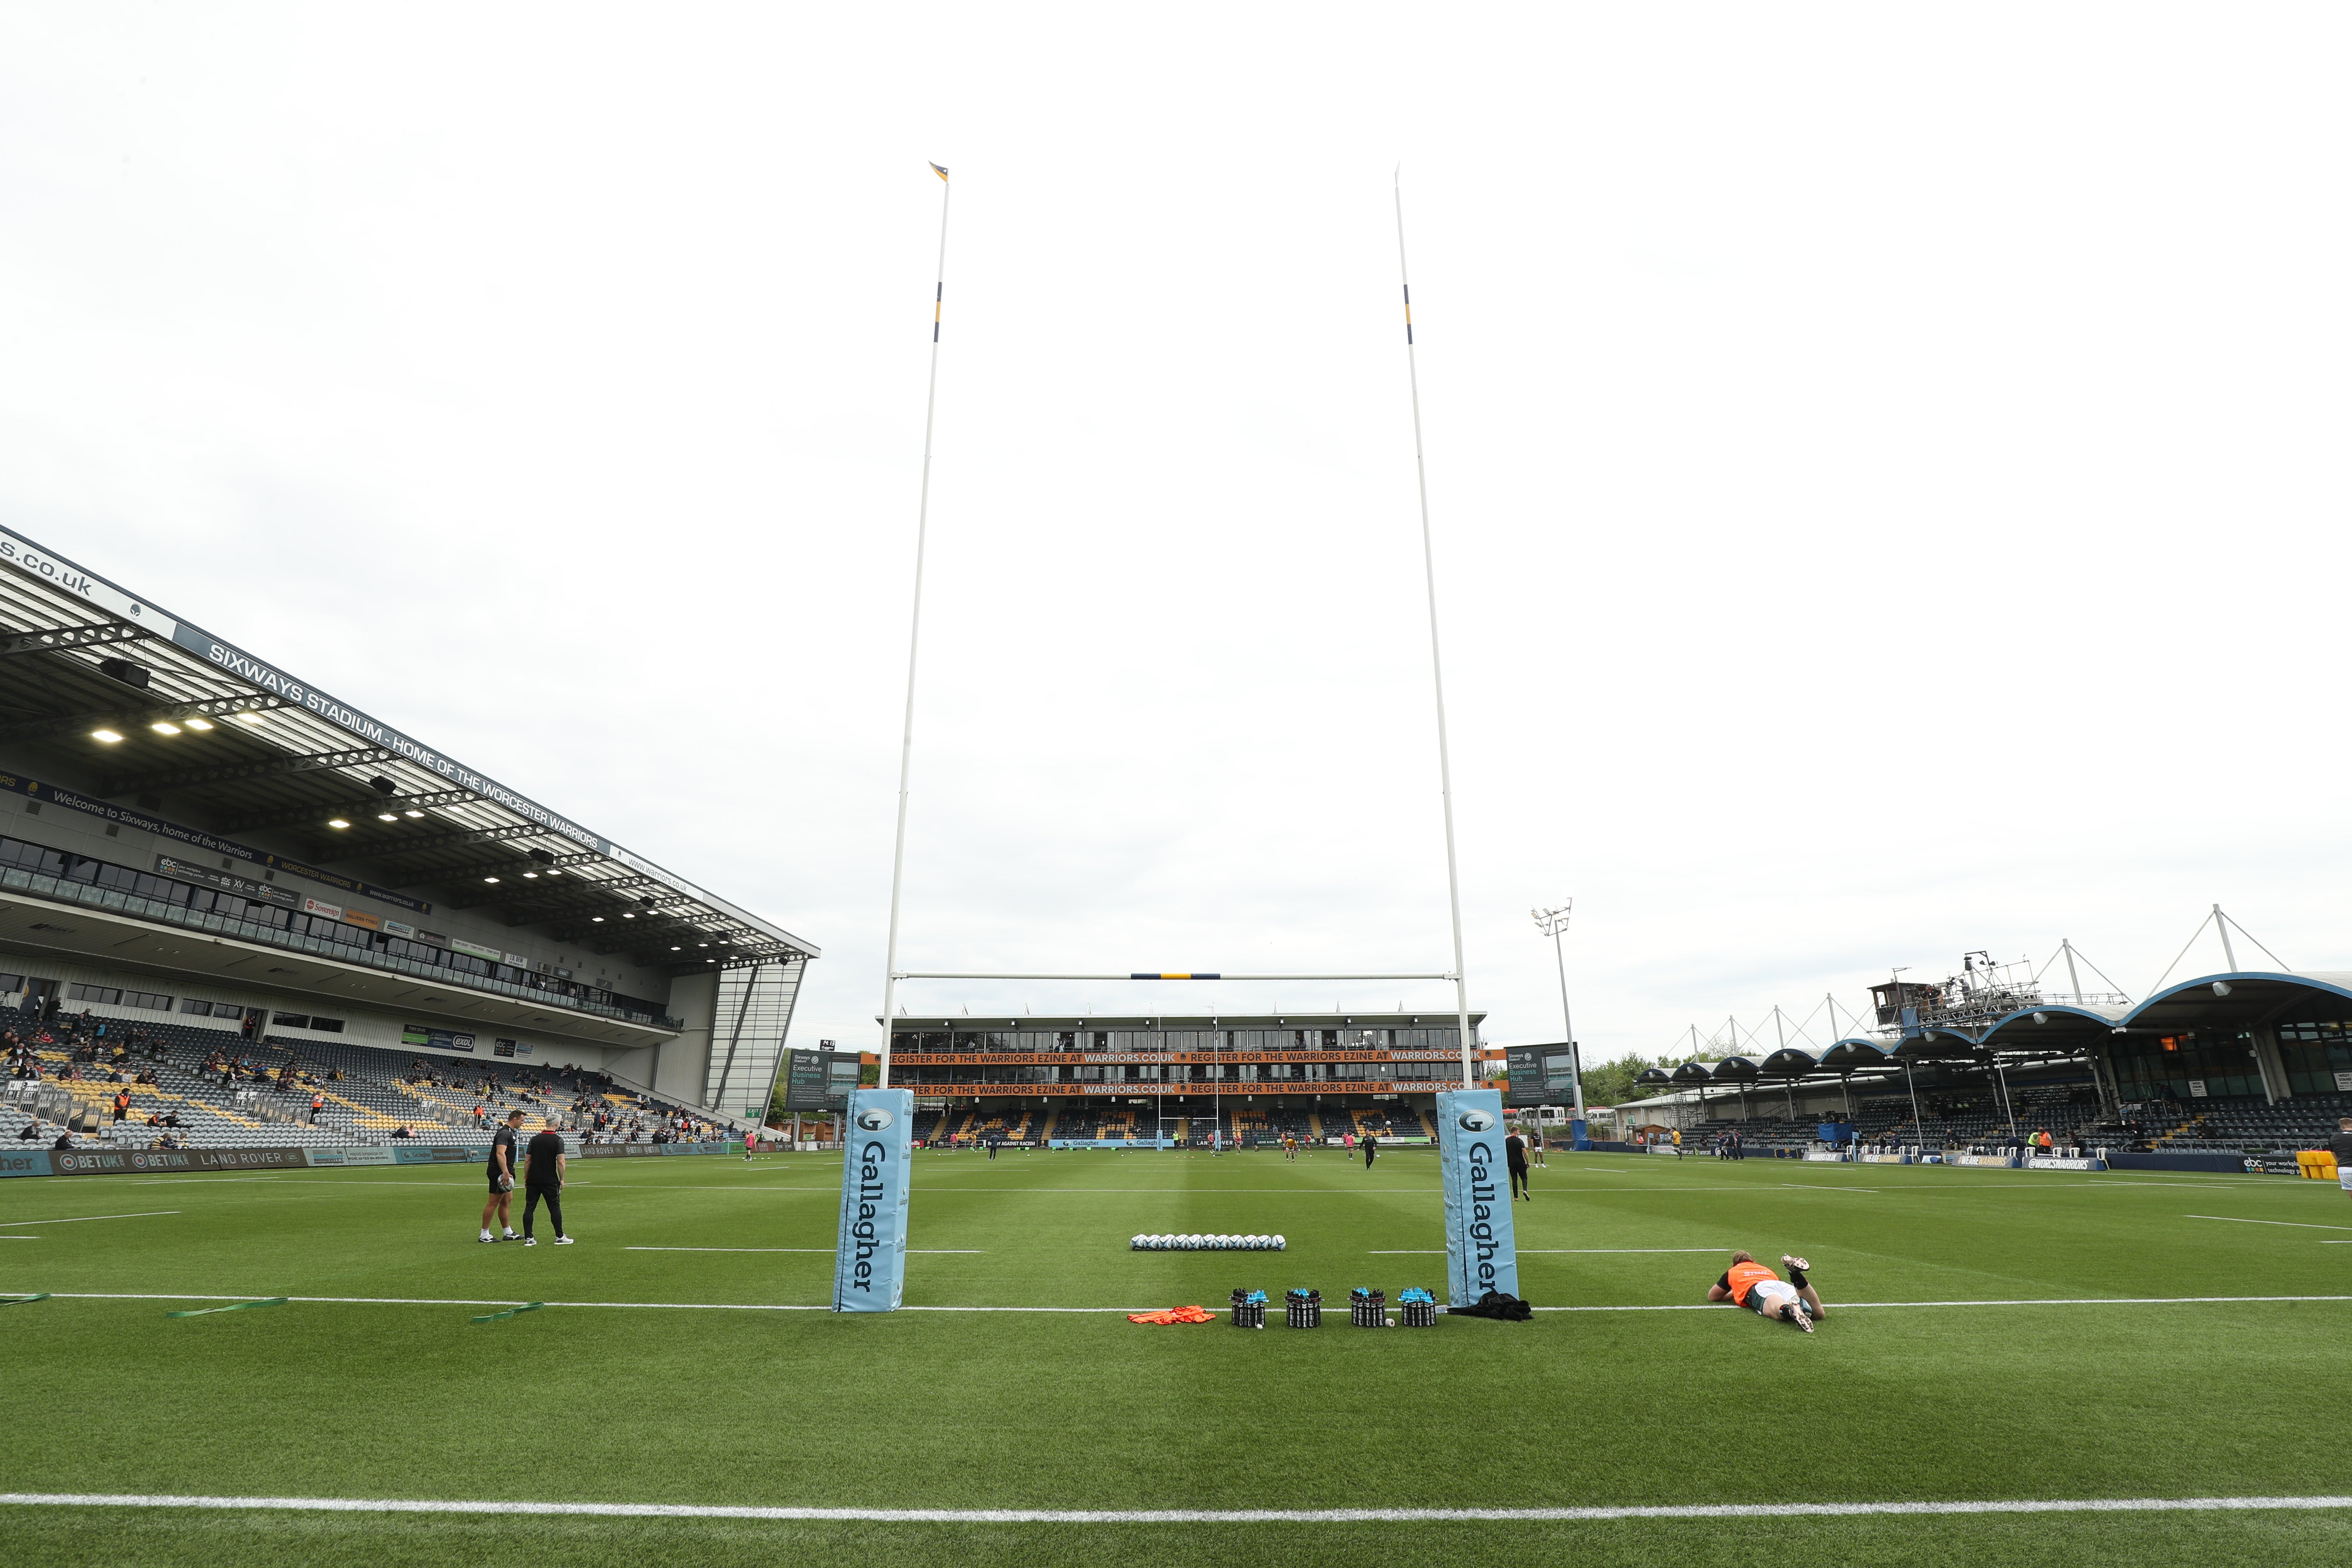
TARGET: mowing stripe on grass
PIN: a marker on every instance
(1180, 1516)
(2290, 1224)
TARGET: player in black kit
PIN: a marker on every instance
(503, 1180)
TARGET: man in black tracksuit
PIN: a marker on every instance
(543, 1178)
(1514, 1156)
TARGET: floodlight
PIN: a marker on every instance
(164, 727)
(489, 879)
(387, 817)
(337, 822)
(383, 786)
(109, 736)
(198, 724)
(412, 813)
(249, 718)
(596, 920)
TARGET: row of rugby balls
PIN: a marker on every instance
(1206, 1244)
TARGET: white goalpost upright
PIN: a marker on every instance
(893, 974)
(914, 635)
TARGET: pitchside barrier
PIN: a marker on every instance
(148, 1161)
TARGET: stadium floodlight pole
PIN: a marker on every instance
(1918, 1128)
(1436, 664)
(913, 643)
(2067, 945)
(1553, 923)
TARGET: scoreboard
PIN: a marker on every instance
(819, 1080)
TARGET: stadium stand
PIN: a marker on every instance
(211, 1087)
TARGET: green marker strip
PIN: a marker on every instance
(238, 1307)
(510, 1311)
(22, 1300)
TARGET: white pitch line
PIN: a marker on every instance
(925, 1251)
(2036, 1302)
(1181, 1515)
(151, 1214)
(1547, 1251)
(2290, 1224)
(795, 1307)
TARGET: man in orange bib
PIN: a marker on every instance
(1747, 1283)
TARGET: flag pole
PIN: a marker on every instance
(914, 646)
(1436, 664)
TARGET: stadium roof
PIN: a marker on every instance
(255, 748)
(2236, 1000)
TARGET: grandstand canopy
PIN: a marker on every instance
(150, 707)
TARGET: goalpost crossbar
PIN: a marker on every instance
(1193, 975)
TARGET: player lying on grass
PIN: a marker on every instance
(1747, 1283)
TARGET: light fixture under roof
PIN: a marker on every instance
(413, 813)
(531, 876)
(251, 718)
(489, 879)
(387, 817)
(596, 920)
(109, 736)
(628, 917)
(676, 950)
(164, 727)
(337, 822)
(196, 723)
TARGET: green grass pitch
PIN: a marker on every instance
(676, 1401)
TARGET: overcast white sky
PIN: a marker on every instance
(1887, 463)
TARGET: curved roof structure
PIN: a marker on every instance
(2233, 1000)
(148, 704)
(1853, 1053)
